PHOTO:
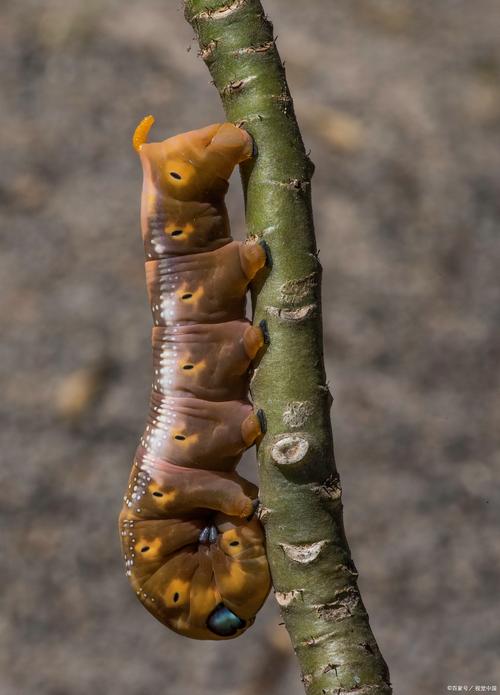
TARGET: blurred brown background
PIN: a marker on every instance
(399, 101)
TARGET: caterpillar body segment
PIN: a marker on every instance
(206, 287)
(194, 550)
(209, 361)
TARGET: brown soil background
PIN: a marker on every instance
(399, 102)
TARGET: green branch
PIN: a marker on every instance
(313, 573)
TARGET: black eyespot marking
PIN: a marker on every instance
(145, 549)
(175, 175)
(188, 295)
(158, 494)
(176, 597)
(176, 232)
(234, 543)
(180, 437)
(188, 366)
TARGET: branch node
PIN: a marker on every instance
(235, 86)
(297, 184)
(299, 314)
(306, 679)
(249, 118)
(330, 489)
(285, 598)
(263, 48)
(263, 514)
(305, 553)
(289, 450)
(220, 12)
(320, 639)
(207, 52)
(295, 291)
(352, 571)
(372, 689)
(345, 603)
(331, 667)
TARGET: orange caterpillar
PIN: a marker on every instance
(194, 551)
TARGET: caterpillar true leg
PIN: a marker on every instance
(208, 534)
(255, 506)
(194, 549)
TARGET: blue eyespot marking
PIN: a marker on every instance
(224, 622)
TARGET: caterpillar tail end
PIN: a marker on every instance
(141, 132)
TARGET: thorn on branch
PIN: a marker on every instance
(298, 184)
(207, 52)
(367, 646)
(328, 393)
(331, 667)
(306, 679)
(349, 568)
(310, 165)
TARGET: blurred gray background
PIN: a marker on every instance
(399, 102)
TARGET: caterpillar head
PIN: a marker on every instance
(193, 166)
(228, 586)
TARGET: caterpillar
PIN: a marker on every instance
(194, 549)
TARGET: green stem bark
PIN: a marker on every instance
(314, 576)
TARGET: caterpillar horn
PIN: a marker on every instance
(142, 131)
